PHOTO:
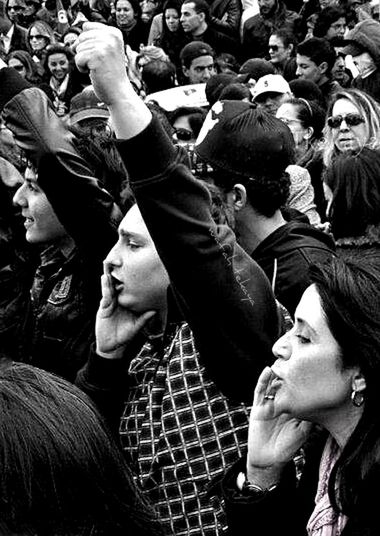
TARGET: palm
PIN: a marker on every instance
(274, 437)
(116, 326)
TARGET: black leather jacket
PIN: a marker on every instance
(61, 312)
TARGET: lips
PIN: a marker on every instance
(116, 283)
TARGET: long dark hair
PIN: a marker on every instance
(349, 291)
(355, 184)
(61, 471)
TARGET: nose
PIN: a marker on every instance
(282, 348)
(113, 258)
(298, 72)
(19, 197)
(343, 126)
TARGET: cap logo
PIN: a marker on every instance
(209, 123)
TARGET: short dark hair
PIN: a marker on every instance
(326, 18)
(319, 50)
(287, 37)
(266, 193)
(200, 6)
(158, 75)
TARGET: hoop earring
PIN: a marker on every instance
(357, 398)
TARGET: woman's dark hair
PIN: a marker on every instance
(349, 293)
(26, 59)
(326, 18)
(355, 184)
(310, 114)
(62, 472)
(135, 6)
(57, 48)
(195, 115)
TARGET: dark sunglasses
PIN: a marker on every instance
(37, 36)
(352, 120)
(15, 8)
(273, 47)
(183, 134)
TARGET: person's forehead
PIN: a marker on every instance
(188, 7)
(305, 60)
(202, 61)
(58, 56)
(133, 223)
(344, 106)
(275, 40)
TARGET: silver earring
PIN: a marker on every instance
(357, 398)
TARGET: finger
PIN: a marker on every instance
(108, 292)
(262, 385)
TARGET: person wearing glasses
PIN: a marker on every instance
(39, 36)
(353, 122)
(12, 35)
(306, 120)
(282, 49)
(22, 61)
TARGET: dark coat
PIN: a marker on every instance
(257, 30)
(60, 316)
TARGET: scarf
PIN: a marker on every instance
(324, 520)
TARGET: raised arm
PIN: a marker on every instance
(226, 297)
(85, 209)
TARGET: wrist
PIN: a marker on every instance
(112, 355)
(265, 477)
(252, 489)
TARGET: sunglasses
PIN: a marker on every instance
(36, 36)
(183, 134)
(273, 47)
(352, 120)
(15, 8)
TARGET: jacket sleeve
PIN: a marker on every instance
(278, 512)
(233, 10)
(86, 210)
(226, 298)
(105, 381)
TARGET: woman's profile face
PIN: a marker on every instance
(288, 114)
(124, 13)
(310, 382)
(172, 19)
(346, 135)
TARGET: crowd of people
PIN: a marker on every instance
(189, 267)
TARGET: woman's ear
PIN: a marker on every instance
(358, 382)
(309, 133)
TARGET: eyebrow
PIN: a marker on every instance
(127, 234)
(305, 324)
